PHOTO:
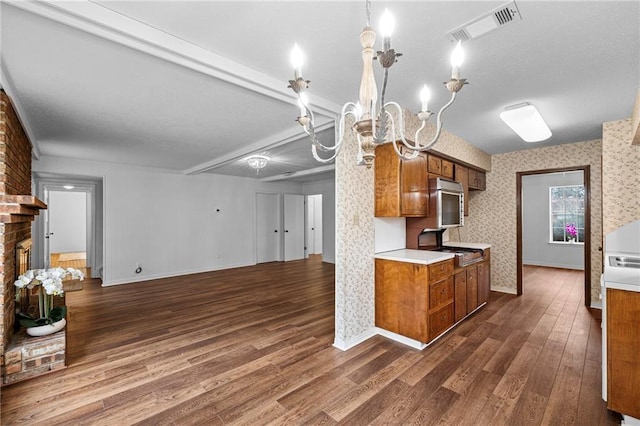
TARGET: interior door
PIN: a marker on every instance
(293, 227)
(268, 233)
(314, 224)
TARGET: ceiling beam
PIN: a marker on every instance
(292, 175)
(105, 23)
(279, 139)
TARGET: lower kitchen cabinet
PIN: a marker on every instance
(423, 301)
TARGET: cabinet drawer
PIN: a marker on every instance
(440, 270)
(440, 320)
(440, 293)
(447, 169)
(435, 165)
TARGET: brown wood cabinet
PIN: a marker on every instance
(423, 301)
(401, 186)
(414, 300)
(477, 180)
(461, 174)
(472, 286)
(623, 349)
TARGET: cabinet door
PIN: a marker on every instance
(483, 282)
(462, 176)
(440, 320)
(414, 187)
(472, 288)
(401, 298)
(460, 299)
(440, 293)
(435, 165)
(623, 346)
(387, 182)
(447, 169)
(482, 181)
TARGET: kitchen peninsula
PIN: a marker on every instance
(421, 294)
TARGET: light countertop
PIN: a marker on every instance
(481, 246)
(424, 257)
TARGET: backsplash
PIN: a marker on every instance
(492, 217)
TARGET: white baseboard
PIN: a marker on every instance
(171, 275)
(344, 345)
(501, 289)
(400, 338)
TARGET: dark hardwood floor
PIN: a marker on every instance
(254, 346)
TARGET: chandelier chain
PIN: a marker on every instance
(368, 7)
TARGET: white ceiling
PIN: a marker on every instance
(197, 86)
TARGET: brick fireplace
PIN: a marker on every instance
(17, 210)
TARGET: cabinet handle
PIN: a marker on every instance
(442, 291)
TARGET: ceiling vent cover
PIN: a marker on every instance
(498, 17)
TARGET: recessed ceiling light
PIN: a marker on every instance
(68, 187)
(526, 121)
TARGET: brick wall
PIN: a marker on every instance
(15, 179)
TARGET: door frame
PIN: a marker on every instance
(586, 177)
(91, 187)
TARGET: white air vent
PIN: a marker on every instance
(499, 17)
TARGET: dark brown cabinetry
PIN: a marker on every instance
(472, 286)
(423, 301)
(477, 180)
(623, 347)
(401, 186)
(414, 300)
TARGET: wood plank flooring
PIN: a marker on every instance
(253, 346)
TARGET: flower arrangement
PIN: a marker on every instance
(571, 230)
(49, 283)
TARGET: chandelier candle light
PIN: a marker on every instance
(374, 128)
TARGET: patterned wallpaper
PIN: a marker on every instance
(621, 177)
(492, 213)
(354, 246)
(448, 144)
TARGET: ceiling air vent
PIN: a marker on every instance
(499, 17)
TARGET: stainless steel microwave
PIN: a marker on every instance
(447, 201)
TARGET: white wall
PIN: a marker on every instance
(67, 221)
(170, 223)
(328, 190)
(536, 248)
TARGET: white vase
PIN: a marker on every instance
(44, 330)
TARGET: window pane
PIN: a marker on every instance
(558, 234)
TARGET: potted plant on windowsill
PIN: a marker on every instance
(49, 284)
(572, 232)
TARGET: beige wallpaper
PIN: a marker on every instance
(621, 176)
(354, 246)
(492, 213)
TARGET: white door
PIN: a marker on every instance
(67, 222)
(267, 228)
(314, 224)
(293, 227)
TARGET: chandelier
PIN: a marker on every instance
(374, 122)
(258, 162)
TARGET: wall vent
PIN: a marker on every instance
(498, 17)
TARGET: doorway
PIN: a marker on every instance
(556, 236)
(66, 230)
(69, 233)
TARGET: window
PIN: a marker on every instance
(566, 205)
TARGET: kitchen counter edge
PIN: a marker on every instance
(423, 257)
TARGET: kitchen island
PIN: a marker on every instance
(421, 294)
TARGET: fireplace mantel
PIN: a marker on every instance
(19, 208)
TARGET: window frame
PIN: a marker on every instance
(551, 212)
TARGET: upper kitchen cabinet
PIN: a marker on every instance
(477, 180)
(401, 186)
(461, 174)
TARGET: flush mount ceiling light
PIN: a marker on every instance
(374, 123)
(257, 162)
(526, 121)
(68, 186)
